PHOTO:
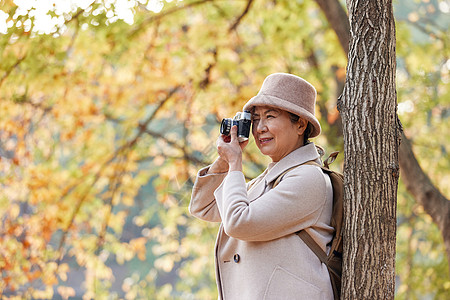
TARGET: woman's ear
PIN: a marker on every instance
(301, 126)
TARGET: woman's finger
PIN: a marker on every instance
(233, 133)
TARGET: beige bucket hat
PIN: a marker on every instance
(290, 93)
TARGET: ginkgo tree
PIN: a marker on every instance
(109, 108)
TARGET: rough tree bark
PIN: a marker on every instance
(368, 107)
(416, 180)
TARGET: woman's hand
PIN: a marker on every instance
(230, 150)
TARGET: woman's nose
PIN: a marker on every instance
(261, 126)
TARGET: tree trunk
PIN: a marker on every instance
(416, 180)
(371, 143)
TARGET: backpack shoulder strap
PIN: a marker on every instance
(309, 241)
(277, 181)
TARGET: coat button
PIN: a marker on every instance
(236, 258)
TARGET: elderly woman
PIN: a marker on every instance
(258, 255)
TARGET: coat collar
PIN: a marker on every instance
(295, 158)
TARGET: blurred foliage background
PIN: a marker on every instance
(109, 108)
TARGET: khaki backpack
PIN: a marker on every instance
(333, 260)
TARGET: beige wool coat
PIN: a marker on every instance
(257, 253)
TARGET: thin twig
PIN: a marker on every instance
(114, 185)
(126, 146)
(239, 19)
(8, 72)
(174, 144)
(159, 16)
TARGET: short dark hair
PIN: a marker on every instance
(294, 119)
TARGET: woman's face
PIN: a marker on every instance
(274, 132)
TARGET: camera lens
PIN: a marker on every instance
(225, 127)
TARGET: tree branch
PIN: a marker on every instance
(337, 17)
(423, 190)
(441, 35)
(239, 19)
(8, 72)
(207, 79)
(143, 125)
(114, 186)
(174, 144)
(161, 15)
(126, 146)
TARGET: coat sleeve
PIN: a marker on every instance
(203, 204)
(294, 204)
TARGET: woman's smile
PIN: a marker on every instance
(264, 141)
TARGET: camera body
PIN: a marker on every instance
(242, 120)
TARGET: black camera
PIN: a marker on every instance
(243, 120)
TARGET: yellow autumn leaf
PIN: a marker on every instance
(65, 292)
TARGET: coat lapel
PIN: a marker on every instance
(295, 158)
